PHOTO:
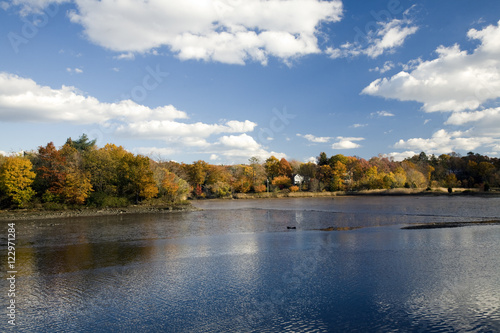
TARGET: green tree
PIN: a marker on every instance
(83, 144)
(322, 159)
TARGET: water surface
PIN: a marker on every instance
(235, 267)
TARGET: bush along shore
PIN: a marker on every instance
(81, 177)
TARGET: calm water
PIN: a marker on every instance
(235, 267)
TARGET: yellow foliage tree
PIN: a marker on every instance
(77, 187)
(16, 177)
(282, 182)
(172, 187)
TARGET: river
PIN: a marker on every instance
(263, 266)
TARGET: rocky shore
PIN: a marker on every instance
(19, 215)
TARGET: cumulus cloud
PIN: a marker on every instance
(388, 65)
(445, 142)
(435, 82)
(242, 146)
(346, 143)
(389, 36)
(396, 156)
(228, 31)
(125, 56)
(315, 139)
(457, 82)
(382, 114)
(485, 122)
(23, 100)
(341, 142)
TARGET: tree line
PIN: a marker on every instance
(80, 173)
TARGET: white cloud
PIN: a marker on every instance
(382, 114)
(434, 82)
(228, 31)
(342, 142)
(389, 36)
(22, 99)
(74, 70)
(166, 129)
(445, 142)
(125, 56)
(486, 122)
(401, 156)
(388, 65)
(315, 139)
(311, 159)
(35, 6)
(240, 148)
(346, 143)
(458, 82)
(358, 125)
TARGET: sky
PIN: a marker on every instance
(225, 80)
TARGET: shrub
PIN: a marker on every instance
(294, 188)
(259, 188)
(101, 200)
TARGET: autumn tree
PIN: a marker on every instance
(77, 187)
(218, 181)
(258, 173)
(242, 178)
(172, 187)
(197, 172)
(51, 172)
(308, 171)
(282, 182)
(16, 178)
(102, 165)
(136, 177)
(284, 168)
(339, 173)
(325, 175)
(272, 166)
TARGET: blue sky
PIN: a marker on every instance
(224, 80)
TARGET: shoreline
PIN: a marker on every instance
(378, 192)
(23, 215)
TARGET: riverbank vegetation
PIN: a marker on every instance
(80, 174)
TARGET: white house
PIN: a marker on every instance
(298, 179)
